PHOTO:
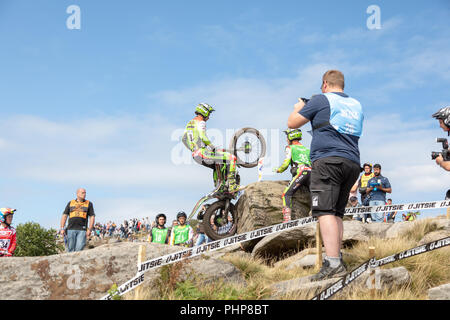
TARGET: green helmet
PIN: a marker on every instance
(204, 109)
(293, 134)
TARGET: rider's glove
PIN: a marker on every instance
(275, 170)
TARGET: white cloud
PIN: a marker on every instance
(240, 102)
(403, 148)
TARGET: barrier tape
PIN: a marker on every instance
(212, 246)
(373, 263)
(255, 234)
(399, 207)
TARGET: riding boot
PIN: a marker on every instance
(232, 185)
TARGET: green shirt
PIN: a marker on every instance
(159, 235)
(296, 153)
(194, 136)
(181, 234)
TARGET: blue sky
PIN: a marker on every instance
(102, 107)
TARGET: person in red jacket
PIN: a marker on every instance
(7, 233)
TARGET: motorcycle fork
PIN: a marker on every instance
(227, 207)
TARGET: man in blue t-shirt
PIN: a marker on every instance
(377, 187)
(336, 120)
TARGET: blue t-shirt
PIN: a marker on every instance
(378, 195)
(340, 119)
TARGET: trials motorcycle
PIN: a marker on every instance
(220, 218)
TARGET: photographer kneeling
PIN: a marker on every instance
(443, 115)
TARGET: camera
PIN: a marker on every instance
(375, 184)
(445, 153)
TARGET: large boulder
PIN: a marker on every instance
(399, 229)
(305, 259)
(89, 274)
(299, 288)
(440, 293)
(433, 236)
(261, 206)
(386, 278)
(280, 244)
(303, 288)
(295, 239)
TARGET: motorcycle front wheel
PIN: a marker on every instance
(219, 224)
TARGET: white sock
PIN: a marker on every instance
(334, 261)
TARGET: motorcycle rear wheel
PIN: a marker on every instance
(242, 159)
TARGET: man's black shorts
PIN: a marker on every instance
(331, 181)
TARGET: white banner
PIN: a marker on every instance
(399, 207)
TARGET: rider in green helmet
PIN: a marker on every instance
(182, 234)
(160, 233)
(297, 156)
(203, 151)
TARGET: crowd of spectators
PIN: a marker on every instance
(125, 230)
(78, 226)
(373, 187)
(135, 228)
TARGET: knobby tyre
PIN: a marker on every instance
(214, 213)
(260, 153)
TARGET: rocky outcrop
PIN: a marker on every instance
(301, 288)
(89, 274)
(440, 293)
(220, 253)
(433, 236)
(304, 288)
(281, 243)
(261, 205)
(276, 245)
(386, 278)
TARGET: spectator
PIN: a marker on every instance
(182, 234)
(354, 204)
(160, 233)
(7, 233)
(410, 216)
(443, 115)
(202, 237)
(377, 187)
(226, 228)
(362, 183)
(78, 211)
(390, 216)
(212, 224)
(97, 233)
(336, 120)
(124, 230)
